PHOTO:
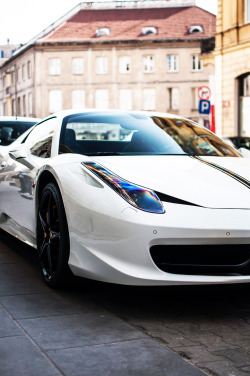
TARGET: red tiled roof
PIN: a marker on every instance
(127, 24)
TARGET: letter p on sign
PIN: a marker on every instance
(204, 107)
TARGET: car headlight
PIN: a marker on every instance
(140, 197)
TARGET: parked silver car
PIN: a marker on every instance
(11, 127)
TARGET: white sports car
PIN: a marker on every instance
(128, 197)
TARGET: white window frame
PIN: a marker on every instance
(102, 99)
(148, 99)
(54, 66)
(172, 63)
(174, 98)
(125, 99)
(196, 64)
(101, 65)
(125, 64)
(29, 69)
(78, 98)
(55, 101)
(247, 11)
(195, 98)
(23, 72)
(77, 65)
(30, 107)
(148, 62)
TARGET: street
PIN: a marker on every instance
(207, 327)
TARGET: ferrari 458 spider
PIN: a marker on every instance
(128, 197)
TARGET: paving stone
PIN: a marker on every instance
(49, 304)
(78, 330)
(222, 368)
(172, 340)
(133, 358)
(8, 326)
(197, 354)
(19, 357)
(240, 357)
(13, 285)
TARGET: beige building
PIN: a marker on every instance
(232, 68)
(6, 51)
(130, 55)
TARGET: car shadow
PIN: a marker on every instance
(155, 302)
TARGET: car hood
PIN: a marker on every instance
(213, 182)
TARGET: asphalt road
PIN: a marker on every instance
(199, 329)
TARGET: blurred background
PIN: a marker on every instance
(186, 57)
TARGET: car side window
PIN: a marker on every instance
(40, 138)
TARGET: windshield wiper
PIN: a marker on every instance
(94, 153)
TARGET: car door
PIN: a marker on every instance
(23, 162)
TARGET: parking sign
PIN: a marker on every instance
(204, 107)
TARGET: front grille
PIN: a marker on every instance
(212, 259)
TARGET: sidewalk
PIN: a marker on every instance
(46, 332)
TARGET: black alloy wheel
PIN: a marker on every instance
(53, 238)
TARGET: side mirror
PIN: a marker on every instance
(22, 155)
(245, 152)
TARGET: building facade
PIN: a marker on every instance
(135, 57)
(6, 51)
(232, 68)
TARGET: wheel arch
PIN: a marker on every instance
(46, 177)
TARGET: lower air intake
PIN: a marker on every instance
(202, 259)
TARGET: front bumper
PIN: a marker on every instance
(116, 248)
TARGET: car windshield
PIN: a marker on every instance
(106, 133)
(11, 130)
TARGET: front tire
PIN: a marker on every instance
(53, 238)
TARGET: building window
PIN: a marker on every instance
(5, 108)
(148, 64)
(148, 99)
(247, 11)
(30, 104)
(244, 104)
(102, 32)
(55, 101)
(19, 106)
(29, 69)
(18, 74)
(149, 30)
(78, 99)
(24, 105)
(54, 66)
(102, 99)
(196, 64)
(125, 99)
(4, 81)
(101, 65)
(196, 29)
(125, 64)
(12, 77)
(172, 63)
(195, 98)
(2, 54)
(13, 107)
(173, 99)
(23, 72)
(77, 65)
